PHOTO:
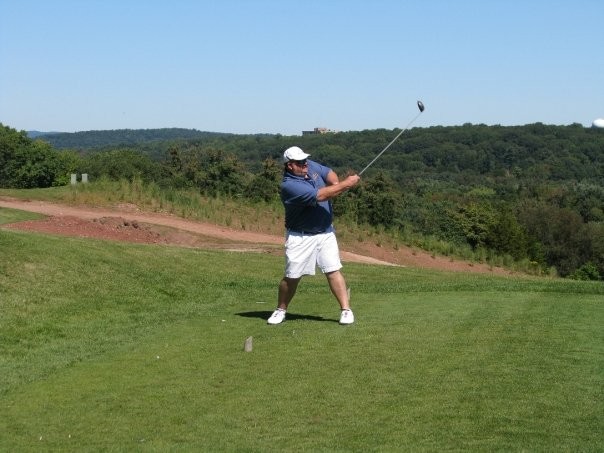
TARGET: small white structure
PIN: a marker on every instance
(599, 123)
(74, 178)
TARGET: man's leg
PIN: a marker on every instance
(287, 290)
(337, 284)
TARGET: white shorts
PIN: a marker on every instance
(303, 253)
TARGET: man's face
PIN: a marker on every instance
(298, 167)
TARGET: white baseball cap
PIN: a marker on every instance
(294, 153)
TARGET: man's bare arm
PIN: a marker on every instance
(332, 178)
(337, 188)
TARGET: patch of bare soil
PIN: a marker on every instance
(127, 223)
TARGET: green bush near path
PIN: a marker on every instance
(117, 347)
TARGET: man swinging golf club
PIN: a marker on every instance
(306, 192)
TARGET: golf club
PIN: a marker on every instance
(420, 106)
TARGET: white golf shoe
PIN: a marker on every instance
(277, 317)
(346, 317)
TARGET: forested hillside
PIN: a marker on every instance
(533, 192)
(88, 140)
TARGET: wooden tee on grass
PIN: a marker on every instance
(247, 345)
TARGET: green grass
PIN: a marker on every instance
(14, 215)
(116, 347)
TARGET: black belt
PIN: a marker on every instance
(308, 233)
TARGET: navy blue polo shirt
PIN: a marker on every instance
(303, 213)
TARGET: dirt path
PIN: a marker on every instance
(128, 223)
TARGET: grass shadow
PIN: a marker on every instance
(264, 315)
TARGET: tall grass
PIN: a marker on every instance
(116, 347)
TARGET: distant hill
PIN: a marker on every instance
(37, 134)
(119, 137)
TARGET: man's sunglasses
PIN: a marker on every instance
(301, 163)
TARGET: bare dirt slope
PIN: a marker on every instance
(128, 223)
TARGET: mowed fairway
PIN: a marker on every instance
(117, 347)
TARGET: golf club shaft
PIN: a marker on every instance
(389, 144)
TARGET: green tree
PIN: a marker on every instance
(25, 163)
(588, 271)
(264, 186)
(476, 221)
(122, 164)
(507, 236)
(378, 202)
(69, 162)
(561, 233)
(220, 174)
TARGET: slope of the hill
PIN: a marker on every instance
(128, 223)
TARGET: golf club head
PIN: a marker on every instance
(420, 106)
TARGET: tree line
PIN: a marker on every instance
(533, 192)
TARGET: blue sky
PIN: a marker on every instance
(283, 66)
